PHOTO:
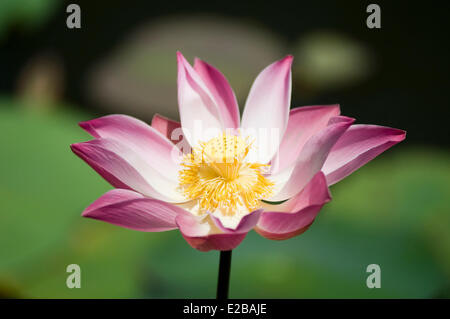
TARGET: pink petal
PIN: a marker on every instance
(310, 160)
(222, 92)
(123, 167)
(359, 145)
(303, 123)
(132, 210)
(199, 113)
(245, 225)
(199, 234)
(142, 139)
(173, 131)
(266, 111)
(294, 216)
(166, 127)
(221, 242)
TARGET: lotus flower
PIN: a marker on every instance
(215, 176)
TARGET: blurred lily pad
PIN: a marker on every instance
(330, 60)
(43, 190)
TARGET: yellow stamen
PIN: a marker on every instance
(216, 174)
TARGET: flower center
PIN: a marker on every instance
(217, 175)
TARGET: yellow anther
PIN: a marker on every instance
(217, 175)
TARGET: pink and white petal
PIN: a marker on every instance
(246, 223)
(222, 92)
(266, 110)
(291, 181)
(199, 113)
(121, 166)
(294, 216)
(303, 123)
(359, 145)
(132, 210)
(141, 138)
(195, 226)
(202, 234)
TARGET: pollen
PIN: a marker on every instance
(217, 174)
